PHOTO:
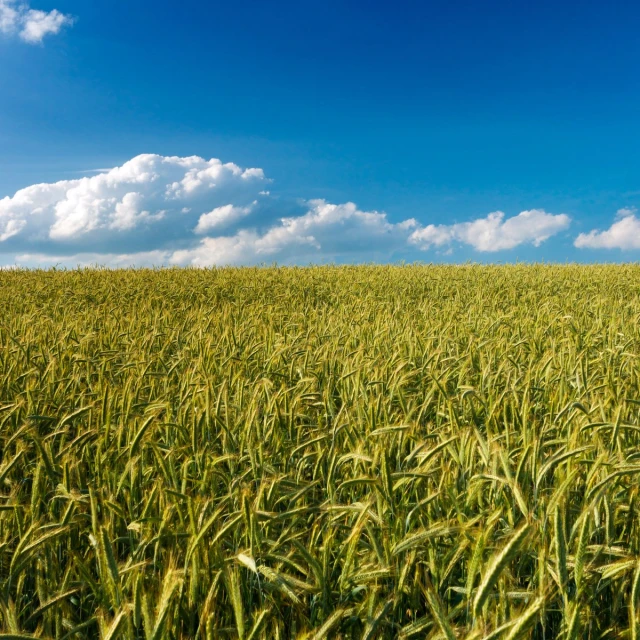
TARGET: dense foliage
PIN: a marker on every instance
(336, 452)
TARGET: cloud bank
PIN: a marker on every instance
(170, 210)
(622, 234)
(30, 25)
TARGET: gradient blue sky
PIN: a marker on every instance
(438, 111)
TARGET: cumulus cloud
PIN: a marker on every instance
(169, 210)
(156, 208)
(624, 233)
(31, 25)
(150, 195)
(324, 232)
(494, 233)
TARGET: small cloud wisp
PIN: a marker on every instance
(30, 25)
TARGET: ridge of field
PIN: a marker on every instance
(326, 452)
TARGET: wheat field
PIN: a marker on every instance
(325, 452)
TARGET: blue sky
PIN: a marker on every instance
(428, 116)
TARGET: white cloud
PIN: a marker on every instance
(326, 231)
(190, 211)
(494, 233)
(38, 24)
(9, 17)
(222, 217)
(155, 207)
(12, 228)
(622, 234)
(142, 193)
(31, 25)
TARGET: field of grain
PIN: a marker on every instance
(336, 452)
